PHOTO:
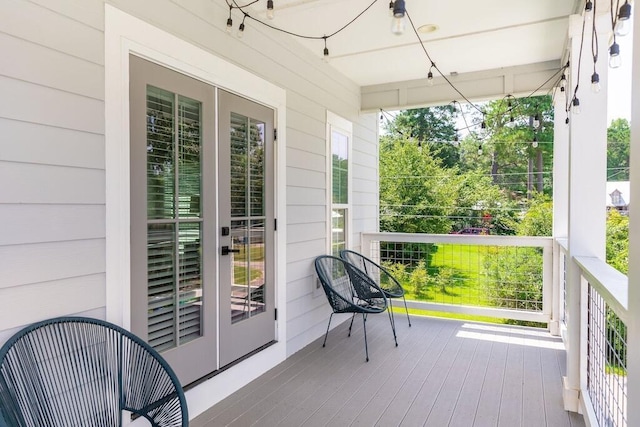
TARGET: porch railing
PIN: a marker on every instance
(495, 276)
(543, 298)
(603, 356)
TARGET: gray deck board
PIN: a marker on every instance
(443, 373)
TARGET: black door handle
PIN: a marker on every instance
(227, 251)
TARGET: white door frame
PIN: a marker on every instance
(125, 35)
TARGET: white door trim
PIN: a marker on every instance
(125, 35)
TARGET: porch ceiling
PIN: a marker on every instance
(472, 36)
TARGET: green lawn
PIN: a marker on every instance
(240, 274)
(256, 252)
(454, 276)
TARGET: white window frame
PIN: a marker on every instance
(345, 127)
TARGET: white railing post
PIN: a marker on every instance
(587, 188)
(547, 282)
(633, 331)
(555, 305)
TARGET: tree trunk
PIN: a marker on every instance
(539, 168)
(530, 178)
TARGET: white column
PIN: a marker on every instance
(560, 199)
(633, 327)
(586, 189)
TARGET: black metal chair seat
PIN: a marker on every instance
(380, 275)
(350, 290)
(78, 371)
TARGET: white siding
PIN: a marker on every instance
(51, 161)
(53, 110)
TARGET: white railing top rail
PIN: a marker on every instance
(480, 240)
(563, 244)
(610, 283)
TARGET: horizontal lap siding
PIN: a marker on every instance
(55, 156)
(52, 259)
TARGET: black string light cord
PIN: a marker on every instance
(234, 5)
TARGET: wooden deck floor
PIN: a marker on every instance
(443, 373)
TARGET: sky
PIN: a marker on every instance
(619, 83)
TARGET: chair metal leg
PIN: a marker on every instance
(352, 317)
(393, 326)
(393, 317)
(364, 324)
(407, 310)
(327, 333)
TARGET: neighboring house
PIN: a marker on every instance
(618, 196)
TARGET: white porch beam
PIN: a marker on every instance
(633, 326)
(477, 86)
(586, 189)
(560, 198)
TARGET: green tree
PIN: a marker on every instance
(434, 127)
(618, 137)
(538, 219)
(618, 241)
(417, 194)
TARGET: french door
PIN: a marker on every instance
(247, 294)
(188, 293)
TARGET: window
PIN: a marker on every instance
(339, 135)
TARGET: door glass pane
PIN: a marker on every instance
(174, 247)
(340, 167)
(190, 281)
(161, 285)
(248, 272)
(160, 153)
(239, 169)
(189, 144)
(247, 216)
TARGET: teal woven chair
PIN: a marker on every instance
(78, 371)
(349, 290)
(385, 280)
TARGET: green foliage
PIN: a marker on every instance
(618, 138)
(513, 277)
(618, 241)
(417, 194)
(418, 279)
(433, 127)
(538, 219)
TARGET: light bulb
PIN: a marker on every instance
(534, 144)
(240, 31)
(229, 25)
(430, 78)
(595, 83)
(397, 25)
(614, 56)
(325, 55)
(483, 125)
(566, 121)
(588, 11)
(576, 106)
(390, 8)
(480, 150)
(622, 28)
(536, 121)
(270, 13)
(563, 81)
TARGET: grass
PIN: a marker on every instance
(240, 274)
(256, 252)
(454, 275)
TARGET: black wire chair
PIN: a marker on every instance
(350, 290)
(78, 371)
(385, 280)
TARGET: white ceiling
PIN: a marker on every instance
(473, 35)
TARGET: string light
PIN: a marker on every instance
(575, 105)
(430, 75)
(480, 150)
(240, 33)
(563, 82)
(229, 21)
(614, 55)
(391, 9)
(595, 82)
(270, 11)
(325, 52)
(623, 23)
(534, 144)
(397, 22)
(536, 121)
(588, 8)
